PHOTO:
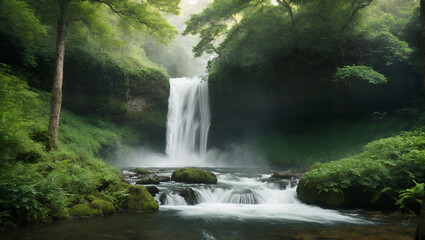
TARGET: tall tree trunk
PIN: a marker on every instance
(56, 102)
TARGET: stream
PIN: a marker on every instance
(244, 204)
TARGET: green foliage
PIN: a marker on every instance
(16, 128)
(350, 73)
(373, 177)
(193, 175)
(21, 27)
(40, 186)
(411, 199)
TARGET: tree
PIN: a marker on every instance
(143, 15)
(213, 23)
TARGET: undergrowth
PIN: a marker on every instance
(37, 185)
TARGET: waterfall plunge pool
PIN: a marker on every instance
(244, 204)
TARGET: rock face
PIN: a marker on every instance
(189, 196)
(193, 175)
(139, 200)
(287, 175)
(152, 190)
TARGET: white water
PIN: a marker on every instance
(188, 120)
(239, 197)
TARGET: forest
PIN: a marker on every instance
(212, 119)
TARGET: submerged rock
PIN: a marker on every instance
(189, 196)
(193, 175)
(152, 190)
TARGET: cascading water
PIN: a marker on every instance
(188, 120)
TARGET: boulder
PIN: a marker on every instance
(152, 190)
(138, 199)
(104, 207)
(81, 210)
(162, 198)
(148, 180)
(189, 196)
(162, 178)
(289, 174)
(141, 171)
(193, 175)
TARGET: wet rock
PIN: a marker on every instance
(148, 180)
(162, 178)
(152, 190)
(287, 175)
(141, 171)
(138, 199)
(162, 198)
(193, 175)
(189, 196)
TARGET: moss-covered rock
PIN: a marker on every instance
(148, 180)
(141, 171)
(104, 207)
(139, 200)
(81, 210)
(193, 175)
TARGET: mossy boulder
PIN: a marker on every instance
(139, 200)
(193, 175)
(104, 207)
(81, 210)
(148, 180)
(141, 171)
(311, 195)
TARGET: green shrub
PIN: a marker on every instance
(372, 178)
(411, 199)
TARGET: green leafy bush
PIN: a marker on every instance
(349, 73)
(411, 199)
(372, 178)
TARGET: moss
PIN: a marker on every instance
(142, 171)
(138, 199)
(193, 175)
(81, 210)
(104, 207)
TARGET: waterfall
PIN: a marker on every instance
(188, 120)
